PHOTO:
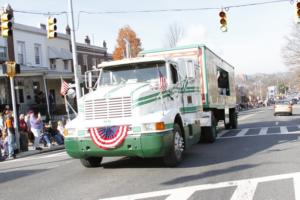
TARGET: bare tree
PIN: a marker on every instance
(291, 51)
(174, 34)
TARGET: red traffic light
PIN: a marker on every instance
(222, 14)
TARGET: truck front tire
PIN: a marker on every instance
(174, 157)
(91, 162)
(233, 119)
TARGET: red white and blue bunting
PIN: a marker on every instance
(108, 137)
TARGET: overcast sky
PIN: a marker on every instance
(252, 44)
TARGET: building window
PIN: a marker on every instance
(85, 60)
(66, 64)
(21, 52)
(37, 54)
(3, 53)
(52, 64)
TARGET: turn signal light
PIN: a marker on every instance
(160, 126)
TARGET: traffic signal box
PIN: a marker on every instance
(11, 68)
(6, 25)
(52, 28)
(223, 21)
(297, 14)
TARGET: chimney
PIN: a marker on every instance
(68, 30)
(87, 40)
(104, 44)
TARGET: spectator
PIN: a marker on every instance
(1, 123)
(54, 133)
(23, 133)
(27, 120)
(5, 144)
(1, 147)
(36, 125)
(61, 128)
(11, 134)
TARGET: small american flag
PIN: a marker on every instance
(64, 87)
(162, 81)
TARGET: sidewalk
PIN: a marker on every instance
(31, 151)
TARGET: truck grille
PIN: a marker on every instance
(107, 108)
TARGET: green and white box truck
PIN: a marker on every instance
(156, 105)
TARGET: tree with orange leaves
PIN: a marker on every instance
(127, 34)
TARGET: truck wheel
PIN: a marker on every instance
(91, 162)
(209, 134)
(233, 120)
(174, 157)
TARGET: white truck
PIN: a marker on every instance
(156, 105)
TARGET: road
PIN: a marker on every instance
(259, 161)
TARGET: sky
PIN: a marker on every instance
(253, 43)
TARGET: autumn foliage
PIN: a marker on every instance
(135, 44)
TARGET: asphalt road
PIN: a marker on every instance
(259, 161)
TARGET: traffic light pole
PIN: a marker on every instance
(75, 62)
(13, 96)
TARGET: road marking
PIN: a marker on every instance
(283, 129)
(263, 131)
(297, 186)
(246, 117)
(245, 189)
(37, 158)
(242, 132)
(222, 133)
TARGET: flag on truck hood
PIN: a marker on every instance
(108, 137)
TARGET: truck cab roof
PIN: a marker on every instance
(132, 61)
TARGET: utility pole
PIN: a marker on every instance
(11, 58)
(127, 46)
(75, 62)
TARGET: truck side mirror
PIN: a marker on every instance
(88, 80)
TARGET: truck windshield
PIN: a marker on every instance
(132, 73)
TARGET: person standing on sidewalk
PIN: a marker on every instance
(11, 134)
(23, 133)
(36, 125)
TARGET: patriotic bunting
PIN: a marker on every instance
(108, 137)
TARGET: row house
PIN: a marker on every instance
(43, 64)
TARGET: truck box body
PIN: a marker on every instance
(210, 66)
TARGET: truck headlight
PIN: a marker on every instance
(158, 126)
(69, 132)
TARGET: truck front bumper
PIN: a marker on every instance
(143, 145)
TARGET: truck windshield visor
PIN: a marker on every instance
(132, 73)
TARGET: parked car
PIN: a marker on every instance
(283, 107)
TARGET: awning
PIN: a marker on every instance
(55, 53)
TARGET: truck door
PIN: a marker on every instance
(175, 93)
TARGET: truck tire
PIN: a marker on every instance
(209, 134)
(91, 162)
(174, 157)
(233, 119)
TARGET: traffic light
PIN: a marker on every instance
(11, 68)
(52, 27)
(297, 14)
(223, 21)
(6, 24)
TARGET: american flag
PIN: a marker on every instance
(162, 81)
(108, 137)
(64, 87)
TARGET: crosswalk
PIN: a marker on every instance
(259, 131)
(246, 189)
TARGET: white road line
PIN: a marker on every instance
(242, 132)
(283, 129)
(245, 117)
(222, 133)
(36, 158)
(263, 131)
(244, 191)
(269, 134)
(185, 192)
(297, 186)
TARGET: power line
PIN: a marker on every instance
(157, 10)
